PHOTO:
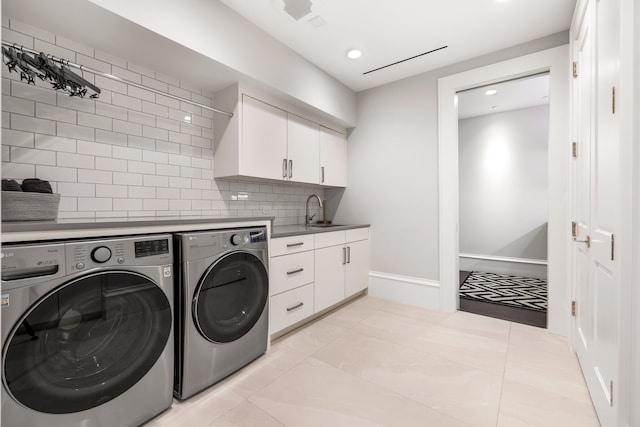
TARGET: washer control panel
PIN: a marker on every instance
(151, 247)
(84, 255)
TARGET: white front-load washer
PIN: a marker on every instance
(221, 305)
(87, 333)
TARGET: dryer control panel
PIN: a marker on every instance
(204, 244)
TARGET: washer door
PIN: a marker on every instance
(230, 297)
(87, 342)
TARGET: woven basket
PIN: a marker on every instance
(25, 206)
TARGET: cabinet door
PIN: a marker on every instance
(303, 150)
(329, 269)
(333, 158)
(358, 264)
(264, 139)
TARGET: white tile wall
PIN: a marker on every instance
(129, 153)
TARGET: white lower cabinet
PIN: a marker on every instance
(291, 307)
(310, 273)
(357, 267)
(291, 271)
(329, 284)
(342, 269)
(291, 278)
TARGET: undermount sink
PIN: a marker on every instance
(324, 225)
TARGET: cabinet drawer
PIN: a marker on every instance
(356, 234)
(291, 271)
(291, 244)
(331, 238)
(290, 307)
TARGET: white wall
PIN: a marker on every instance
(211, 28)
(393, 167)
(128, 153)
(503, 183)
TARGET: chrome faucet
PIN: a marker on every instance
(307, 218)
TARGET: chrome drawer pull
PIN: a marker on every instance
(293, 307)
(293, 245)
(300, 270)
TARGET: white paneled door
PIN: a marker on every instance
(597, 204)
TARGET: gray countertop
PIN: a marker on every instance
(93, 227)
(71, 228)
(296, 230)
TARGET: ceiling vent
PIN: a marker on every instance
(297, 9)
(405, 60)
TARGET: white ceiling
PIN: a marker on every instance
(511, 95)
(387, 31)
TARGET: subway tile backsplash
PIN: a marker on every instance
(128, 153)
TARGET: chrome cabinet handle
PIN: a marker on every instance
(290, 168)
(322, 170)
(300, 270)
(344, 256)
(293, 307)
(284, 168)
(293, 245)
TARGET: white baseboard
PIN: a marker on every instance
(405, 289)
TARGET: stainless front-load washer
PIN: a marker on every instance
(87, 333)
(221, 305)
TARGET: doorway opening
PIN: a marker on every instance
(503, 133)
(554, 61)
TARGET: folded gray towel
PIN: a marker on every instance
(36, 185)
(10, 185)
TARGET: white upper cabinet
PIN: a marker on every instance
(333, 158)
(264, 140)
(303, 150)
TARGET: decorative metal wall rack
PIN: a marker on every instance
(32, 64)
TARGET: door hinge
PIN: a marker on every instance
(574, 149)
(613, 100)
(575, 69)
(613, 245)
(573, 308)
(574, 229)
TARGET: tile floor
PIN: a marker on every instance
(380, 363)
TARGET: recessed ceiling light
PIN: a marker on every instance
(354, 54)
(187, 119)
(491, 92)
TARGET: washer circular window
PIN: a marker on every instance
(230, 297)
(87, 342)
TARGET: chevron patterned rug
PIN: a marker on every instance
(513, 291)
